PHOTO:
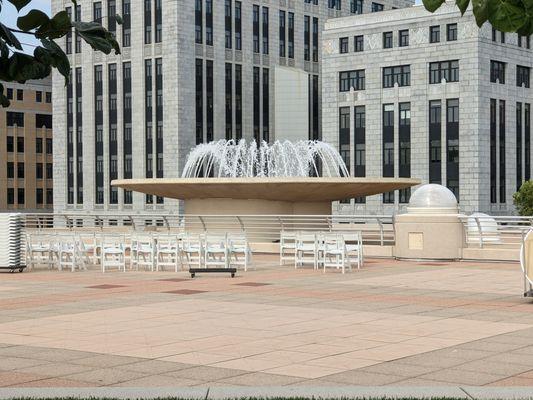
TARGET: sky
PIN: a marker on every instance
(9, 15)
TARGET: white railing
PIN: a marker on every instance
(499, 232)
(376, 230)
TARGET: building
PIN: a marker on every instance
(407, 93)
(189, 72)
(26, 147)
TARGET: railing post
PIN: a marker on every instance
(203, 223)
(380, 230)
(480, 232)
(240, 223)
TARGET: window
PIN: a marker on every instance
(238, 44)
(39, 145)
(10, 170)
(265, 29)
(15, 118)
(49, 196)
(451, 32)
(20, 170)
(387, 40)
(356, 6)
(255, 17)
(39, 198)
(522, 76)
(43, 120)
(400, 74)
(434, 34)
(352, 79)
(497, 72)
(20, 144)
(281, 33)
(97, 12)
(49, 146)
(10, 196)
(10, 147)
(49, 171)
(198, 20)
(20, 196)
(228, 23)
(358, 43)
(343, 45)
(291, 35)
(126, 23)
(158, 21)
(48, 98)
(447, 70)
(344, 135)
(20, 95)
(375, 7)
(38, 96)
(403, 38)
(39, 170)
(209, 22)
(9, 93)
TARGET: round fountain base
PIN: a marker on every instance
(221, 206)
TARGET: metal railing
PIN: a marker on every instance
(376, 229)
(495, 232)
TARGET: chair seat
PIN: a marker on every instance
(112, 250)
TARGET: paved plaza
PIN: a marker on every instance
(391, 323)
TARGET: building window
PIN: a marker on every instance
(434, 34)
(20, 170)
(49, 171)
(229, 101)
(48, 97)
(39, 145)
(43, 121)
(9, 93)
(452, 145)
(451, 32)
(400, 74)
(158, 21)
(343, 45)
(387, 40)
(126, 23)
(39, 198)
(352, 79)
(20, 144)
(10, 170)
(315, 39)
(15, 119)
(403, 38)
(518, 146)
(356, 6)
(522, 76)
(238, 101)
(502, 151)
(359, 43)
(265, 30)
(447, 70)
(497, 72)
(266, 105)
(360, 144)
(10, 146)
(97, 12)
(227, 23)
(39, 170)
(375, 7)
(20, 94)
(256, 104)
(77, 18)
(10, 196)
(281, 33)
(50, 196)
(238, 28)
(199, 101)
(20, 196)
(255, 16)
(435, 141)
(209, 22)
(307, 38)
(38, 96)
(198, 20)
(344, 135)
(291, 35)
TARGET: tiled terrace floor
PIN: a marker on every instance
(392, 323)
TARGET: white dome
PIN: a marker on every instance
(433, 197)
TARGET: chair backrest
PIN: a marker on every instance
(113, 241)
(287, 236)
(192, 241)
(306, 237)
(166, 240)
(352, 238)
(216, 240)
(332, 241)
(237, 239)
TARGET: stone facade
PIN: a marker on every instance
(474, 49)
(178, 51)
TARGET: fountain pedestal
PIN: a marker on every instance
(221, 206)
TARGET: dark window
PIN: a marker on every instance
(497, 72)
(307, 38)
(9, 93)
(265, 30)
(291, 35)
(238, 28)
(229, 101)
(255, 16)
(20, 144)
(198, 21)
(49, 171)
(352, 79)
(77, 18)
(38, 96)
(48, 97)
(228, 23)
(434, 34)
(256, 104)
(126, 23)
(39, 198)
(452, 145)
(158, 21)
(387, 40)
(502, 152)
(527, 141)
(451, 32)
(266, 104)
(358, 43)
(360, 144)
(238, 101)
(209, 22)
(20, 94)
(403, 38)
(400, 74)
(356, 6)
(344, 135)
(199, 102)
(68, 36)
(10, 170)
(375, 7)
(315, 39)
(404, 150)
(388, 147)
(39, 170)
(20, 170)
(43, 120)
(343, 45)
(519, 146)
(209, 98)
(39, 145)
(111, 14)
(10, 146)
(20, 196)
(49, 146)
(15, 118)
(97, 12)
(282, 27)
(10, 196)
(447, 70)
(522, 76)
(49, 196)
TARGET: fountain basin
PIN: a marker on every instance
(263, 195)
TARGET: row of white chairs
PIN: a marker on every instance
(152, 251)
(322, 249)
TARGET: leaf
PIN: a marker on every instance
(506, 16)
(23, 67)
(119, 19)
(432, 5)
(481, 12)
(97, 36)
(19, 4)
(54, 55)
(57, 27)
(32, 20)
(463, 5)
(8, 36)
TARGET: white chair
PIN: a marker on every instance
(69, 256)
(40, 250)
(112, 252)
(354, 248)
(287, 245)
(238, 245)
(216, 250)
(87, 248)
(333, 251)
(192, 249)
(145, 252)
(306, 251)
(167, 251)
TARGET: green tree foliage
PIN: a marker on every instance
(523, 199)
(504, 15)
(17, 66)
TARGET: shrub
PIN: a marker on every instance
(523, 199)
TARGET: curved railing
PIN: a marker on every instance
(496, 231)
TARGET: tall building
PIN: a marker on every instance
(26, 169)
(189, 72)
(408, 93)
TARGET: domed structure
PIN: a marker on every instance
(431, 199)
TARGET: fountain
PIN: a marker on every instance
(228, 177)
